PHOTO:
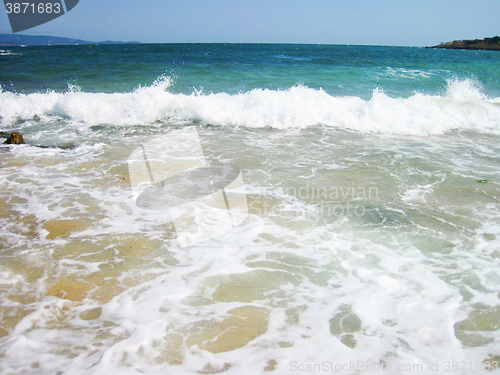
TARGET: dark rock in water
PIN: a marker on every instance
(14, 139)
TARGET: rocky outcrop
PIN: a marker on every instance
(491, 44)
(13, 138)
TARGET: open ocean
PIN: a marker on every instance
(371, 239)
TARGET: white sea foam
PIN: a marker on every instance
(7, 52)
(462, 106)
(407, 73)
(387, 287)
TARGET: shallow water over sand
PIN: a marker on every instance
(378, 247)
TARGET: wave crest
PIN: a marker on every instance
(462, 107)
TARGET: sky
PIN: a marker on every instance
(365, 22)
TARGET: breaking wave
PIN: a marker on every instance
(462, 106)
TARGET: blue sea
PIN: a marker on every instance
(370, 188)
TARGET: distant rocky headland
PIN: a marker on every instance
(492, 44)
(42, 40)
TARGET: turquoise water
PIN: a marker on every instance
(371, 236)
(233, 68)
